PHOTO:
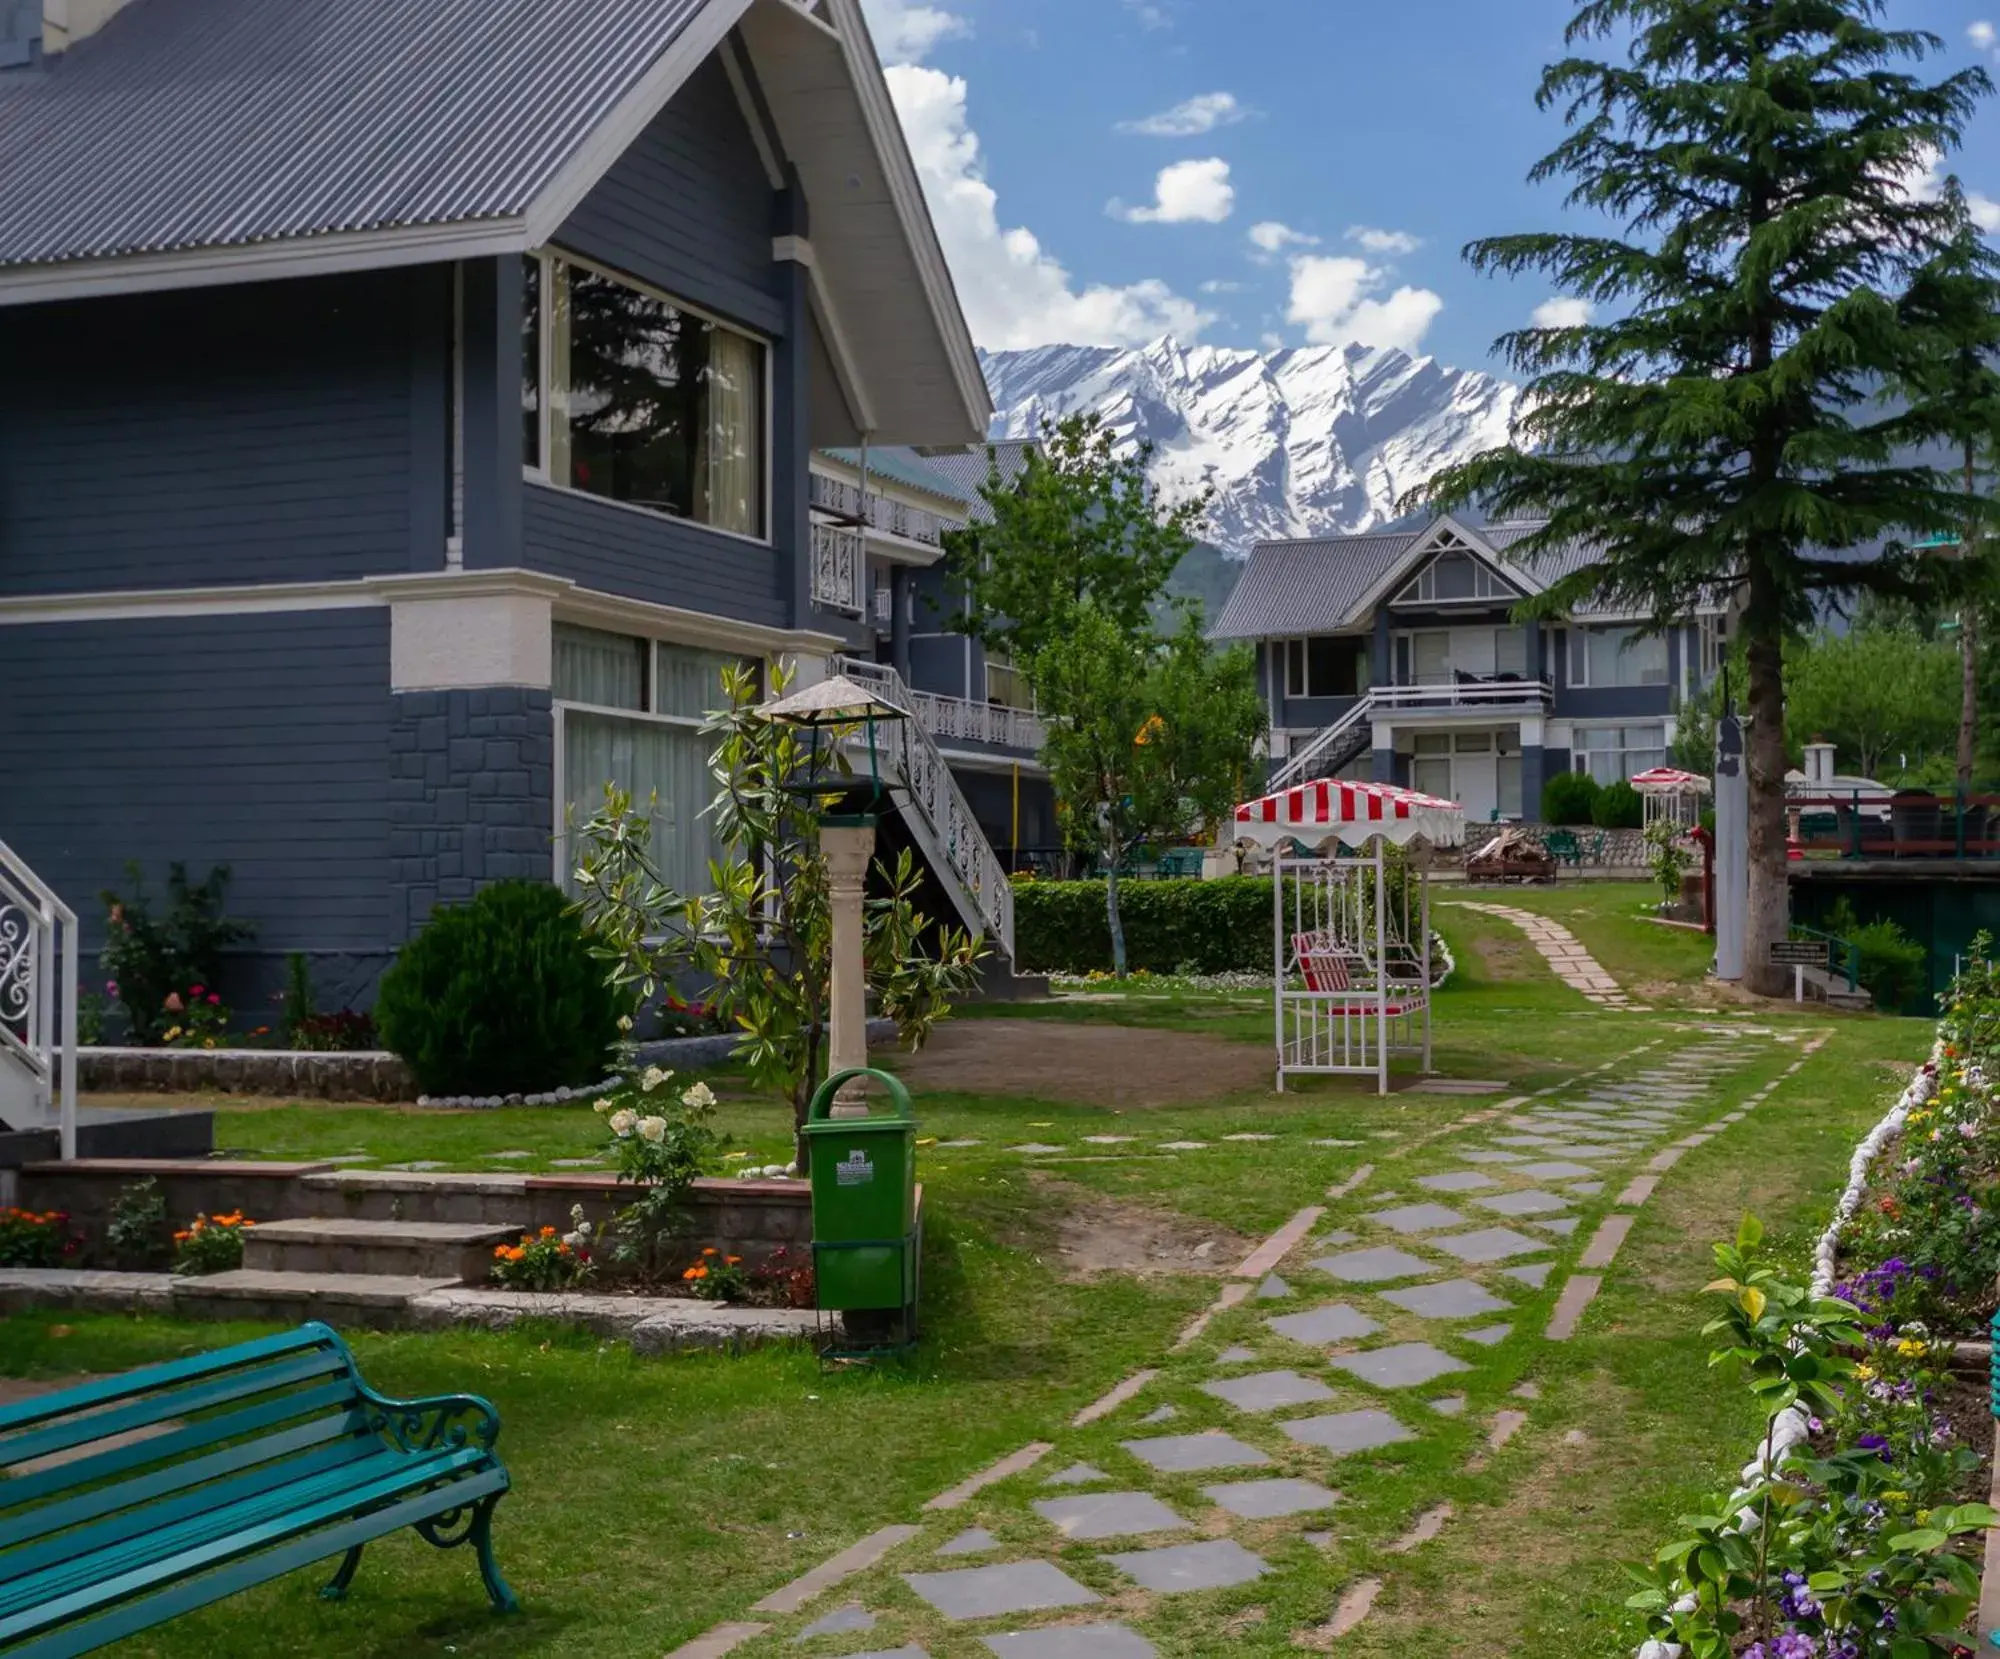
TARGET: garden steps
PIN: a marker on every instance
(430, 1196)
(374, 1300)
(394, 1249)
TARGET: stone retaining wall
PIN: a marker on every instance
(263, 1071)
(1624, 849)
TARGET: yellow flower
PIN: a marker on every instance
(1864, 1370)
(1910, 1349)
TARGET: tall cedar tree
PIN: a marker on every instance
(1727, 429)
(1957, 298)
(1080, 522)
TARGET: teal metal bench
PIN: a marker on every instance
(135, 1499)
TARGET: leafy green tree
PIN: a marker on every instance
(1148, 739)
(764, 937)
(1080, 523)
(1874, 693)
(1753, 164)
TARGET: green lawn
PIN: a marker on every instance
(655, 1498)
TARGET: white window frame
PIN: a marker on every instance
(1581, 751)
(1487, 586)
(1577, 645)
(538, 472)
(1303, 644)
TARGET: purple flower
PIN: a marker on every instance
(1873, 1443)
(1794, 1644)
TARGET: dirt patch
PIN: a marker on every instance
(1092, 1236)
(1092, 1064)
(1507, 957)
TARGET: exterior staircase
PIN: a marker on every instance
(1334, 748)
(38, 991)
(939, 818)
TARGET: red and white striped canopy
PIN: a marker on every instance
(1327, 811)
(1667, 780)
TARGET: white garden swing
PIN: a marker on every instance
(1352, 949)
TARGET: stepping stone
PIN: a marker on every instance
(421, 1166)
(839, 1622)
(1077, 1474)
(498, 1157)
(1528, 1391)
(1574, 1151)
(1249, 1137)
(1318, 1540)
(1347, 1431)
(1564, 1225)
(1458, 1180)
(1273, 1289)
(1488, 1335)
(1178, 1568)
(1109, 1140)
(1109, 1515)
(1237, 1355)
(1489, 1244)
(1185, 1146)
(1535, 1273)
(1418, 1218)
(975, 1541)
(1525, 1140)
(1074, 1641)
(1586, 1189)
(1267, 1500)
(990, 1592)
(1166, 1414)
(1033, 1147)
(955, 1145)
(1368, 1267)
(1335, 1239)
(1269, 1391)
(910, 1651)
(554, 1163)
(1453, 1299)
(1449, 1406)
(1554, 1170)
(1492, 1157)
(1336, 1322)
(1402, 1365)
(1175, 1454)
(1532, 1201)
(1339, 1143)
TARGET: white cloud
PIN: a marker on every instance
(1272, 237)
(1216, 285)
(1150, 16)
(906, 32)
(1200, 114)
(1337, 299)
(1188, 192)
(1015, 294)
(1982, 35)
(1383, 241)
(1563, 313)
(1271, 342)
(1985, 212)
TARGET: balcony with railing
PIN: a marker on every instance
(954, 719)
(1472, 693)
(839, 570)
(873, 510)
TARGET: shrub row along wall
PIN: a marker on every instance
(1206, 927)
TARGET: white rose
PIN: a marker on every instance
(622, 1122)
(652, 1078)
(652, 1130)
(601, 1107)
(699, 1096)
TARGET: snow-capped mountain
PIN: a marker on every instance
(1296, 443)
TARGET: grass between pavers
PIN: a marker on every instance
(655, 1498)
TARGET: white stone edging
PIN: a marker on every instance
(1794, 1424)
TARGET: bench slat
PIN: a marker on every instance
(331, 1397)
(107, 1627)
(214, 1498)
(330, 1493)
(106, 1500)
(168, 1375)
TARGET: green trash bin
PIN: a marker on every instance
(864, 1188)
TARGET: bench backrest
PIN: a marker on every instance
(1324, 966)
(114, 1458)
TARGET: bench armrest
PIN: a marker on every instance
(440, 1420)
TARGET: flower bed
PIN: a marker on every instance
(1856, 1527)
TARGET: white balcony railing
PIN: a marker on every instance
(879, 512)
(944, 819)
(38, 1002)
(839, 570)
(1463, 694)
(954, 718)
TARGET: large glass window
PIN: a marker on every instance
(1325, 666)
(1616, 657)
(656, 751)
(1609, 753)
(641, 400)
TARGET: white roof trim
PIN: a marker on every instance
(846, 363)
(1411, 558)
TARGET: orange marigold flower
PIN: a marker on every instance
(694, 1273)
(548, 1232)
(711, 1251)
(516, 1253)
(733, 1261)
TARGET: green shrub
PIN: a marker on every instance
(1618, 806)
(1892, 967)
(1209, 927)
(501, 996)
(1569, 798)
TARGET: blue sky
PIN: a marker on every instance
(1258, 172)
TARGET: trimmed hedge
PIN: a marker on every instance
(1569, 798)
(1618, 806)
(1210, 927)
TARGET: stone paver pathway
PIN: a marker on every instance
(1564, 952)
(1369, 1341)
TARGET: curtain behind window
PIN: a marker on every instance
(690, 681)
(608, 670)
(666, 770)
(735, 433)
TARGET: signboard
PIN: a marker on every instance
(1800, 953)
(854, 1170)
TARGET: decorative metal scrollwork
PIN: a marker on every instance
(20, 941)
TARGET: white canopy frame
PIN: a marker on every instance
(1672, 795)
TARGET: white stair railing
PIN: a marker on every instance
(961, 854)
(1299, 768)
(38, 988)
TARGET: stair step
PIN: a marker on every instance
(417, 1196)
(372, 1300)
(460, 1250)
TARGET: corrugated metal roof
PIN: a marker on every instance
(222, 123)
(968, 469)
(1307, 587)
(905, 466)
